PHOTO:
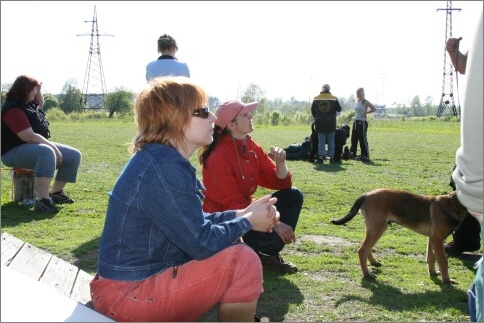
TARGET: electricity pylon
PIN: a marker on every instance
(94, 88)
(447, 99)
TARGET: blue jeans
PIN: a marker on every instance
(322, 139)
(42, 159)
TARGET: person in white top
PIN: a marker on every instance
(467, 174)
(363, 107)
(167, 64)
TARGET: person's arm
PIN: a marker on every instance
(17, 121)
(278, 155)
(458, 59)
(39, 97)
(370, 106)
(338, 106)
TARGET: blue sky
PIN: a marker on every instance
(394, 49)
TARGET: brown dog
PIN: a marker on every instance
(433, 216)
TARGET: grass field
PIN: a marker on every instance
(414, 156)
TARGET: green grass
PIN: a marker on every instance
(415, 156)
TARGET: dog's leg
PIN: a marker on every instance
(439, 252)
(431, 259)
(365, 254)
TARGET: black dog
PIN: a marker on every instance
(313, 154)
(342, 133)
(467, 237)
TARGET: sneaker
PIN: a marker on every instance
(45, 206)
(278, 263)
(454, 249)
(320, 160)
(364, 159)
(60, 198)
(257, 317)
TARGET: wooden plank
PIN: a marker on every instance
(38, 264)
(60, 274)
(31, 261)
(10, 247)
(81, 291)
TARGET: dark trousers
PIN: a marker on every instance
(358, 135)
(289, 204)
(468, 234)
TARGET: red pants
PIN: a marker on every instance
(234, 275)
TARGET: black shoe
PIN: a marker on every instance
(257, 317)
(276, 262)
(60, 198)
(45, 206)
(455, 249)
(364, 159)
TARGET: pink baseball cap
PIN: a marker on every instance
(227, 111)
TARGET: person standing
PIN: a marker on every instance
(363, 108)
(324, 109)
(26, 144)
(167, 64)
(234, 166)
(468, 173)
(161, 258)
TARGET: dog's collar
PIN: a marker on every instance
(459, 209)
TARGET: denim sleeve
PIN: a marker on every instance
(169, 196)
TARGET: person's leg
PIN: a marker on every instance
(365, 148)
(330, 136)
(321, 145)
(39, 157)
(237, 312)
(289, 204)
(231, 278)
(354, 139)
(67, 171)
(268, 245)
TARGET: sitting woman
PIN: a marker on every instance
(161, 258)
(26, 144)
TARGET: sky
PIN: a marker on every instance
(393, 49)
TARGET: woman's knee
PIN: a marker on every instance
(45, 161)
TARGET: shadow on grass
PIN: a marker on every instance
(279, 294)
(386, 295)
(14, 214)
(468, 259)
(86, 256)
(273, 305)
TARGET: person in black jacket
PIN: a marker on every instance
(26, 144)
(324, 109)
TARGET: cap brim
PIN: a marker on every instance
(248, 107)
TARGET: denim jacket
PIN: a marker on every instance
(155, 220)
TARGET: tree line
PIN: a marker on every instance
(274, 112)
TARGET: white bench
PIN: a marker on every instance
(40, 287)
(27, 300)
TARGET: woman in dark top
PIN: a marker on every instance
(26, 144)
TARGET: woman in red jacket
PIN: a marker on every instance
(234, 166)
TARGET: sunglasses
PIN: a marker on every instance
(203, 113)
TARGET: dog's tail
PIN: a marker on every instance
(352, 213)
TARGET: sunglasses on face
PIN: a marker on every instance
(203, 113)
